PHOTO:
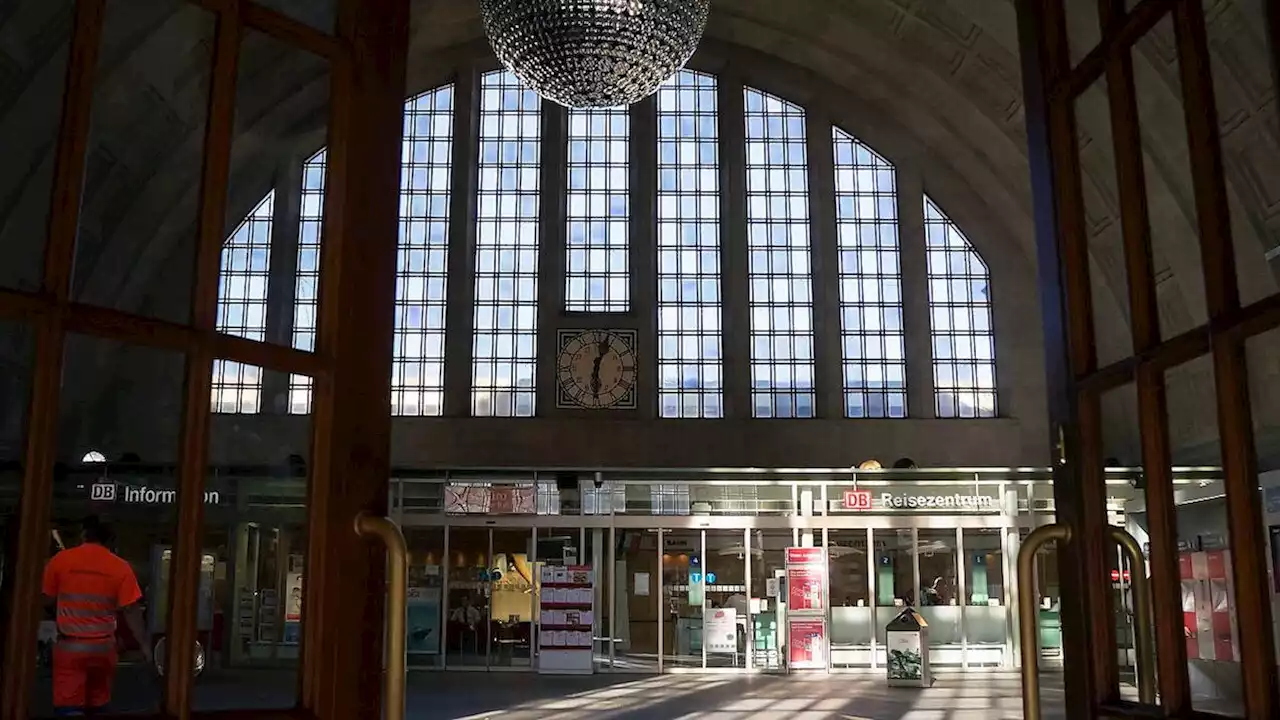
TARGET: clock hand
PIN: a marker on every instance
(595, 377)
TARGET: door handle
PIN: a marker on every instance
(393, 683)
(1028, 628)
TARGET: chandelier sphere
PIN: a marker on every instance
(594, 53)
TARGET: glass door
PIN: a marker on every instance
(852, 609)
(767, 605)
(726, 606)
(512, 600)
(683, 598)
(467, 608)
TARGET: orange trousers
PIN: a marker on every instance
(83, 673)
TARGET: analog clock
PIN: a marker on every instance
(597, 369)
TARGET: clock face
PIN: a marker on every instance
(597, 368)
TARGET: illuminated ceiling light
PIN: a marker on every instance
(93, 456)
(870, 465)
(594, 53)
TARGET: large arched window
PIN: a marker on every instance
(781, 294)
(307, 280)
(596, 185)
(505, 345)
(688, 247)
(598, 209)
(417, 376)
(872, 339)
(964, 344)
(242, 307)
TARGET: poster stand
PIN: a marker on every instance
(566, 618)
(806, 593)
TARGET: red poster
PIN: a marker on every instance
(804, 556)
(805, 589)
(1216, 564)
(807, 644)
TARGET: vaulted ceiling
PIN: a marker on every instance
(943, 73)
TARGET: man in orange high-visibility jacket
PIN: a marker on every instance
(90, 585)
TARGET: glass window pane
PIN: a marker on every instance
(506, 296)
(417, 371)
(137, 235)
(597, 271)
(781, 297)
(689, 247)
(38, 42)
(964, 366)
(867, 239)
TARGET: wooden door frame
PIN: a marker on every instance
(340, 669)
(1076, 384)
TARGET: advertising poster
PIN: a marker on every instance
(423, 620)
(720, 630)
(807, 643)
(806, 580)
(904, 658)
(293, 597)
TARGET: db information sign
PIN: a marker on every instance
(857, 499)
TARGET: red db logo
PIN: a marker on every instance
(857, 499)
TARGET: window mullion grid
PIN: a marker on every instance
(417, 377)
(689, 253)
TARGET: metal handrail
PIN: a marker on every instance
(1143, 629)
(372, 526)
(1028, 628)
(1144, 632)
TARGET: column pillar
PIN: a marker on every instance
(734, 258)
(461, 288)
(825, 243)
(915, 291)
(552, 231)
(642, 235)
(282, 275)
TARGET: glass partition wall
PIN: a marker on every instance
(690, 569)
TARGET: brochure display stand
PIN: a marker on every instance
(806, 594)
(566, 618)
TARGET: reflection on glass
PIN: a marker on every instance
(1204, 544)
(684, 597)
(1261, 352)
(15, 389)
(136, 243)
(25, 216)
(426, 600)
(466, 623)
(939, 597)
(511, 598)
(133, 498)
(852, 609)
(894, 575)
(768, 566)
(636, 600)
(724, 634)
(986, 611)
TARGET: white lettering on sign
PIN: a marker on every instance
(110, 492)
(940, 502)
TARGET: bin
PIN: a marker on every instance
(907, 650)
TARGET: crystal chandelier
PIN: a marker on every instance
(594, 53)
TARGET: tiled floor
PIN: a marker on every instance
(524, 696)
